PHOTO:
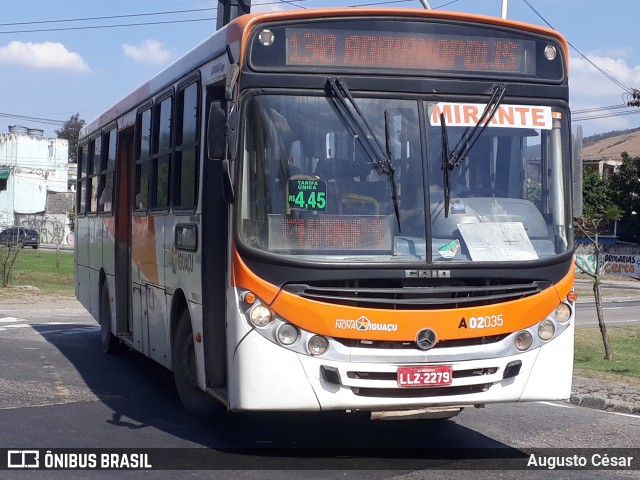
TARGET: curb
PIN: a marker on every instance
(598, 402)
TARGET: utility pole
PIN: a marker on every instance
(229, 10)
(505, 5)
(635, 98)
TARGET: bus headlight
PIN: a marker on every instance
(563, 313)
(523, 340)
(261, 316)
(287, 334)
(546, 329)
(317, 345)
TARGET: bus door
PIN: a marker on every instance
(123, 231)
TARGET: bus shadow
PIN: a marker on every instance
(141, 396)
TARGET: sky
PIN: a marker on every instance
(54, 65)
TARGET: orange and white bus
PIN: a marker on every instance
(340, 209)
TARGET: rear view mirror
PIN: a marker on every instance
(216, 138)
(222, 130)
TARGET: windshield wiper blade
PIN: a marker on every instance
(453, 159)
(446, 165)
(357, 122)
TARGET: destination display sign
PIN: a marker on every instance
(416, 51)
(402, 46)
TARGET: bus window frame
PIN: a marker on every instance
(179, 147)
(93, 191)
(81, 182)
(156, 155)
(139, 161)
(105, 169)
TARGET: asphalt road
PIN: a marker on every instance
(57, 390)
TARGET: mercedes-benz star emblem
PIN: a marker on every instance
(426, 339)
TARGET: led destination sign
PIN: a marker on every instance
(410, 51)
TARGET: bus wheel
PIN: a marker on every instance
(185, 373)
(110, 343)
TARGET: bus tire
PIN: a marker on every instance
(185, 375)
(110, 344)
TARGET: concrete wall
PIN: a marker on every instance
(36, 166)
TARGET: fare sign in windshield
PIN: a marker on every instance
(507, 116)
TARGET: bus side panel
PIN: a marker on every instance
(158, 326)
(138, 299)
(108, 246)
(82, 261)
(95, 263)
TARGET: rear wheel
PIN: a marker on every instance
(110, 343)
(185, 373)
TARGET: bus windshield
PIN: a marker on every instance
(311, 188)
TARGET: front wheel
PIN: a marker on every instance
(185, 373)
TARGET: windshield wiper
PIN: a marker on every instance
(354, 118)
(453, 159)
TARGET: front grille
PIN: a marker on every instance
(475, 372)
(420, 392)
(417, 294)
(400, 345)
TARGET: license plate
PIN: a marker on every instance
(425, 376)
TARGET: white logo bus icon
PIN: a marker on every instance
(23, 459)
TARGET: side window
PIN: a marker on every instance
(161, 157)
(81, 194)
(93, 175)
(143, 151)
(185, 178)
(107, 168)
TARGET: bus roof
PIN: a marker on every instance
(235, 31)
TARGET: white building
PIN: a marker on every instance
(30, 166)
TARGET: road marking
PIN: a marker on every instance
(559, 405)
(562, 405)
(72, 331)
(624, 414)
(11, 320)
(74, 328)
(20, 325)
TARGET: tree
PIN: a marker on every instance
(597, 214)
(8, 257)
(70, 131)
(625, 191)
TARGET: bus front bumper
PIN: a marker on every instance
(268, 377)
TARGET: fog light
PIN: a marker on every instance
(317, 345)
(523, 340)
(546, 329)
(260, 316)
(563, 313)
(287, 334)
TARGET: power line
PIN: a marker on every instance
(597, 109)
(605, 115)
(606, 74)
(136, 24)
(94, 27)
(109, 17)
(400, 1)
(48, 121)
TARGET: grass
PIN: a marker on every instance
(47, 271)
(625, 345)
